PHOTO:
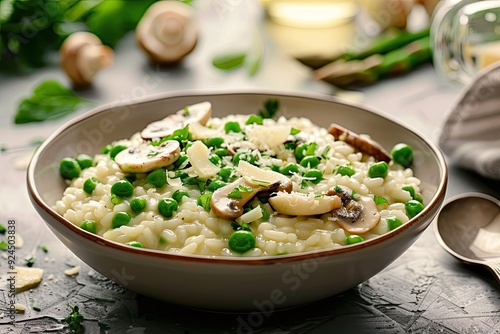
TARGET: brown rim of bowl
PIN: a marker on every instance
(267, 260)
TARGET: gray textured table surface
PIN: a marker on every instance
(425, 291)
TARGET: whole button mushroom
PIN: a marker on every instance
(167, 32)
(83, 55)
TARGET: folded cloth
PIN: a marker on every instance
(471, 134)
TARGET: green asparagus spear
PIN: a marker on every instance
(344, 73)
(390, 40)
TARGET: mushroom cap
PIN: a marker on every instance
(82, 55)
(167, 31)
(200, 112)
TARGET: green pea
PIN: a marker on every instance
(90, 184)
(378, 169)
(106, 149)
(413, 194)
(393, 222)
(413, 208)
(157, 178)
(167, 206)
(214, 142)
(254, 119)
(85, 161)
(232, 127)
(122, 188)
(300, 151)
(120, 218)
(314, 175)
(138, 204)
(246, 156)
(289, 169)
(134, 244)
(241, 241)
(216, 184)
(227, 174)
(310, 161)
(221, 152)
(179, 194)
(345, 170)
(89, 225)
(353, 239)
(215, 159)
(402, 154)
(182, 158)
(115, 150)
(69, 168)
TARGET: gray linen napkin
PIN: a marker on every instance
(471, 134)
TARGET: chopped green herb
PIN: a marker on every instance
(3, 245)
(2, 229)
(235, 193)
(30, 261)
(50, 100)
(186, 111)
(102, 325)
(204, 201)
(153, 153)
(104, 299)
(294, 131)
(355, 195)
(74, 320)
(244, 189)
(324, 155)
(261, 182)
(43, 248)
(380, 200)
(36, 308)
(270, 109)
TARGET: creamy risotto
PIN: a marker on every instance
(241, 185)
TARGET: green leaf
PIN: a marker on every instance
(3, 245)
(380, 200)
(6, 9)
(271, 107)
(50, 100)
(229, 61)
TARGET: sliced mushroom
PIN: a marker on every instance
(300, 204)
(356, 216)
(145, 158)
(83, 55)
(199, 112)
(365, 145)
(253, 181)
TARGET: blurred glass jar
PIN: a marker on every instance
(465, 37)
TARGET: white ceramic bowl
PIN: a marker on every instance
(222, 283)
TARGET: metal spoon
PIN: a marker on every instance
(468, 227)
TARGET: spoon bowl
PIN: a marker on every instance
(468, 227)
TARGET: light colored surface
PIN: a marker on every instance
(425, 290)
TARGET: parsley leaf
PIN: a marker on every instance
(50, 100)
(74, 320)
(380, 200)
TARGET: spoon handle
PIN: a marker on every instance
(495, 269)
